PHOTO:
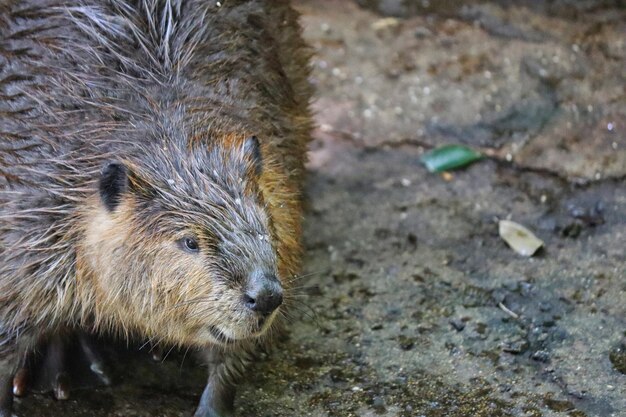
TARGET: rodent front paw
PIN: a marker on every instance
(210, 412)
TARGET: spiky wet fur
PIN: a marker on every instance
(171, 89)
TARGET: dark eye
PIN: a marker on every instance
(189, 244)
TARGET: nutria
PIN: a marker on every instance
(151, 163)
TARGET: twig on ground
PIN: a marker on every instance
(507, 311)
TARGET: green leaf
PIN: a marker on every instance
(447, 157)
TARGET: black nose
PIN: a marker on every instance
(264, 294)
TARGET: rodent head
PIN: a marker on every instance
(182, 245)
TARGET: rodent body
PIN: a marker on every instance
(151, 164)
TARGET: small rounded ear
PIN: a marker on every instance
(252, 151)
(113, 183)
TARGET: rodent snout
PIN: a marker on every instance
(264, 294)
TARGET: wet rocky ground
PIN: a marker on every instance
(415, 306)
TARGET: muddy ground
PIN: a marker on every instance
(416, 307)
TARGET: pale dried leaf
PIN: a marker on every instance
(519, 238)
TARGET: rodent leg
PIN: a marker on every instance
(7, 363)
(218, 398)
(55, 364)
(96, 363)
(67, 356)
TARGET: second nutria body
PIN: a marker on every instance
(151, 163)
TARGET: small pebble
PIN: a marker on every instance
(378, 405)
(447, 176)
(422, 32)
(516, 347)
(406, 343)
(541, 356)
(545, 306)
(458, 324)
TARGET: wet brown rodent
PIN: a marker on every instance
(151, 162)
